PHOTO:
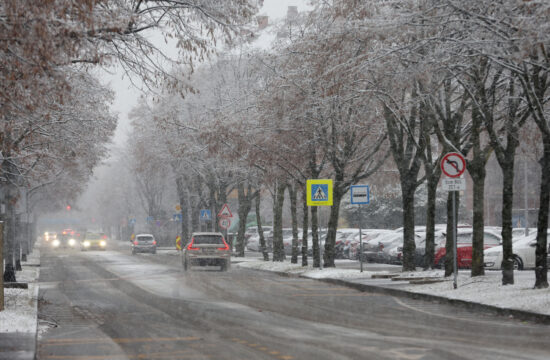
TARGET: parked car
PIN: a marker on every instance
(144, 243)
(207, 249)
(343, 241)
(464, 247)
(287, 241)
(94, 241)
(523, 249)
(253, 243)
(371, 246)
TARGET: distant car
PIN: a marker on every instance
(50, 236)
(144, 243)
(207, 249)
(94, 241)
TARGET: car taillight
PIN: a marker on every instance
(190, 246)
(226, 247)
(154, 242)
(105, 236)
(135, 242)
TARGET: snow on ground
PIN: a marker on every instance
(488, 289)
(309, 271)
(19, 314)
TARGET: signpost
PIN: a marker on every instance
(453, 166)
(224, 223)
(360, 194)
(225, 216)
(319, 193)
(205, 215)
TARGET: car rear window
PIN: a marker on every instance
(208, 239)
(145, 238)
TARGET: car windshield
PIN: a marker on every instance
(92, 236)
(144, 238)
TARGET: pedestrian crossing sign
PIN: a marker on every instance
(206, 215)
(319, 192)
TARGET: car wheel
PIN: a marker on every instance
(518, 263)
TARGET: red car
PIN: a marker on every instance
(464, 248)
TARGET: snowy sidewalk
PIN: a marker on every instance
(18, 320)
(484, 290)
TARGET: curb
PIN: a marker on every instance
(506, 312)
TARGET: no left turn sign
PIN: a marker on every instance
(453, 165)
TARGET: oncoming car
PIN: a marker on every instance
(96, 241)
(207, 249)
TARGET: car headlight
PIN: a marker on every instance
(72, 242)
(55, 243)
(86, 244)
(102, 243)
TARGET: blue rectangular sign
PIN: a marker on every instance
(360, 194)
(206, 215)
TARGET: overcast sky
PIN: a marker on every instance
(126, 96)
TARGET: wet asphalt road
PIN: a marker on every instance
(112, 305)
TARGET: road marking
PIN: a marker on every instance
(180, 355)
(60, 342)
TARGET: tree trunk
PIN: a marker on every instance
(278, 247)
(541, 267)
(449, 243)
(315, 236)
(1, 266)
(409, 246)
(9, 257)
(305, 221)
(330, 242)
(507, 205)
(263, 247)
(180, 187)
(293, 190)
(244, 209)
(478, 176)
(429, 252)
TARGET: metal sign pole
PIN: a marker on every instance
(455, 265)
(361, 247)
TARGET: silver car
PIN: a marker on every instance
(144, 243)
(207, 249)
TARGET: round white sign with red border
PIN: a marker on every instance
(453, 165)
(224, 223)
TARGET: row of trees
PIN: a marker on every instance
(350, 85)
(55, 117)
